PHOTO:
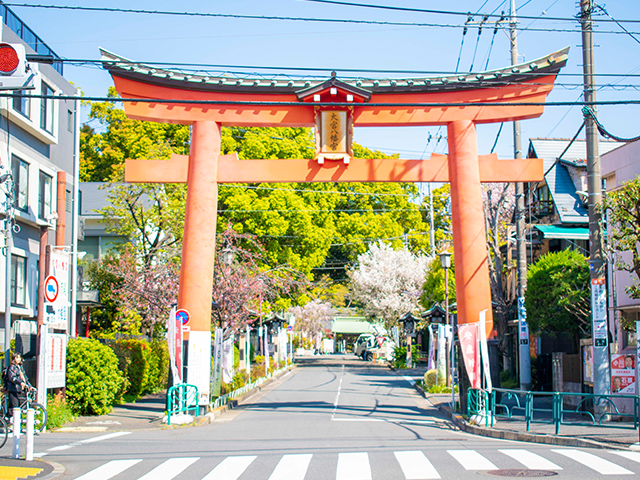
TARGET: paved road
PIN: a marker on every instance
(331, 418)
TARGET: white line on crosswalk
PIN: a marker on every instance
(600, 465)
(109, 470)
(472, 460)
(416, 466)
(169, 469)
(108, 436)
(531, 460)
(292, 467)
(635, 456)
(353, 466)
(230, 468)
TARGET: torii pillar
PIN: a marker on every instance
(333, 107)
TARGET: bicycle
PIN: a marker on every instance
(27, 400)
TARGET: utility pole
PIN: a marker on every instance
(521, 247)
(594, 188)
(432, 234)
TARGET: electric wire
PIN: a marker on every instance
(301, 19)
(588, 112)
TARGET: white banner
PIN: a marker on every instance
(484, 351)
(199, 373)
(56, 360)
(216, 372)
(227, 360)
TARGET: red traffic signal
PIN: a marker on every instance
(9, 58)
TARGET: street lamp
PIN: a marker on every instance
(445, 261)
(409, 326)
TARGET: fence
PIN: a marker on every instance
(224, 399)
(181, 398)
(555, 408)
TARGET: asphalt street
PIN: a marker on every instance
(332, 417)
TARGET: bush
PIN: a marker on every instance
(430, 379)
(507, 381)
(94, 382)
(158, 378)
(58, 411)
(144, 365)
(400, 356)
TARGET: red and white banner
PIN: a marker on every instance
(174, 337)
(468, 334)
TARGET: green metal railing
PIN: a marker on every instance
(182, 398)
(556, 408)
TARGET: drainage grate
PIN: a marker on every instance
(520, 473)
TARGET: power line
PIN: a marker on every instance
(444, 12)
(296, 19)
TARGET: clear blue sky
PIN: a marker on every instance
(232, 41)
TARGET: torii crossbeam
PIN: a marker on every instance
(333, 107)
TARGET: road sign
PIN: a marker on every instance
(290, 328)
(183, 316)
(51, 289)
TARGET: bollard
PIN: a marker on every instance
(29, 449)
(16, 433)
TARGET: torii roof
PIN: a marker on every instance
(122, 67)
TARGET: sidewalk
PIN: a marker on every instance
(575, 436)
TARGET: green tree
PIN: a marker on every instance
(433, 288)
(623, 208)
(558, 294)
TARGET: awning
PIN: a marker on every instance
(350, 325)
(568, 233)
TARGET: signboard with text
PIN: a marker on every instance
(56, 294)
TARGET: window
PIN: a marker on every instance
(18, 281)
(22, 105)
(20, 172)
(46, 109)
(44, 195)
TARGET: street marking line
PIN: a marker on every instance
(292, 467)
(230, 468)
(472, 460)
(105, 437)
(170, 469)
(531, 460)
(410, 380)
(358, 419)
(635, 456)
(337, 400)
(61, 447)
(600, 465)
(416, 466)
(109, 470)
(353, 466)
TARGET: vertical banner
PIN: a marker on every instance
(266, 350)
(248, 350)
(431, 362)
(198, 373)
(484, 351)
(442, 353)
(174, 339)
(227, 360)
(468, 333)
(599, 309)
(56, 360)
(216, 371)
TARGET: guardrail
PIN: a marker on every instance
(224, 399)
(181, 398)
(556, 408)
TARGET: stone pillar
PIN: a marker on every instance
(473, 290)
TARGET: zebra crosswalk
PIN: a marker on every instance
(407, 465)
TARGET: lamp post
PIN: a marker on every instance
(409, 326)
(445, 261)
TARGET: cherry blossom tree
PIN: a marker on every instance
(388, 282)
(313, 319)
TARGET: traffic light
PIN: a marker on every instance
(15, 73)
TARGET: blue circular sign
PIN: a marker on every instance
(183, 316)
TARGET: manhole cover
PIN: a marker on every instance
(519, 473)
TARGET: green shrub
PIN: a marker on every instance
(430, 379)
(507, 381)
(400, 356)
(58, 411)
(158, 378)
(144, 365)
(240, 379)
(94, 382)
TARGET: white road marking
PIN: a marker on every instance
(358, 419)
(600, 465)
(472, 460)
(108, 470)
(531, 460)
(108, 436)
(353, 466)
(410, 380)
(291, 467)
(416, 466)
(230, 468)
(169, 469)
(337, 400)
(635, 456)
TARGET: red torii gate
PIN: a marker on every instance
(334, 107)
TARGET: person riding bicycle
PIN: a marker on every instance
(16, 381)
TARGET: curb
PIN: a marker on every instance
(211, 416)
(465, 426)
